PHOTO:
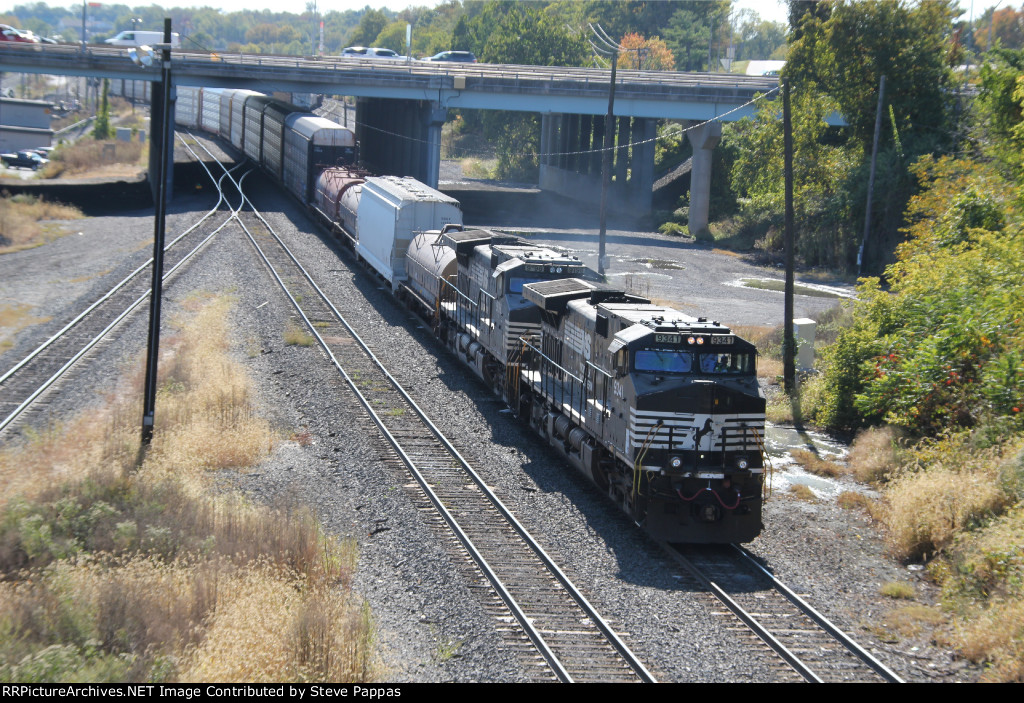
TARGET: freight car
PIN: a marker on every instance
(660, 410)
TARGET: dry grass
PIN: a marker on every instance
(816, 464)
(90, 158)
(926, 511)
(995, 637)
(13, 319)
(297, 336)
(119, 572)
(852, 500)
(23, 218)
(912, 620)
(803, 492)
(899, 590)
(875, 454)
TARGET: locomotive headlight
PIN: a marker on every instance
(700, 340)
(676, 462)
(742, 463)
(691, 340)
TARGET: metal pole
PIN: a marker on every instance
(871, 176)
(606, 168)
(152, 353)
(789, 343)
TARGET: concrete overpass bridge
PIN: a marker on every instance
(402, 105)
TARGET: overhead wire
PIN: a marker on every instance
(538, 154)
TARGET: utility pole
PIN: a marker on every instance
(871, 176)
(789, 342)
(167, 135)
(606, 168)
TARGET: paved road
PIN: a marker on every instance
(694, 278)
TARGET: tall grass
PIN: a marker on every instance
(23, 218)
(109, 156)
(115, 571)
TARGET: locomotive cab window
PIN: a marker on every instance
(516, 283)
(621, 362)
(727, 363)
(663, 361)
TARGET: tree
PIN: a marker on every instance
(370, 26)
(532, 37)
(847, 53)
(645, 54)
(759, 39)
(999, 110)
(392, 37)
(1006, 26)
(102, 129)
(695, 31)
(821, 174)
(689, 36)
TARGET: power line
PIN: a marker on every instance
(679, 131)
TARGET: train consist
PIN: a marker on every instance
(660, 410)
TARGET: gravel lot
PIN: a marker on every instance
(434, 625)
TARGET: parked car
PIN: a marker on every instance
(370, 52)
(24, 159)
(453, 56)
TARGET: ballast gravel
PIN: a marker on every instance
(434, 622)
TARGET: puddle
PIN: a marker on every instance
(645, 274)
(813, 290)
(663, 264)
(780, 441)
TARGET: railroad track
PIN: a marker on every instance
(813, 647)
(573, 640)
(24, 386)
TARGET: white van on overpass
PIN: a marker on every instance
(142, 38)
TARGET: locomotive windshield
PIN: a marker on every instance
(727, 363)
(663, 361)
(676, 361)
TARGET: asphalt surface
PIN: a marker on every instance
(695, 278)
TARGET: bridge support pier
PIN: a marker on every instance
(578, 175)
(703, 139)
(400, 137)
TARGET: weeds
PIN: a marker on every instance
(88, 157)
(21, 218)
(296, 336)
(119, 572)
(815, 464)
(803, 492)
(875, 454)
(898, 590)
(850, 500)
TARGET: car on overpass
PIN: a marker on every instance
(9, 33)
(370, 52)
(453, 56)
